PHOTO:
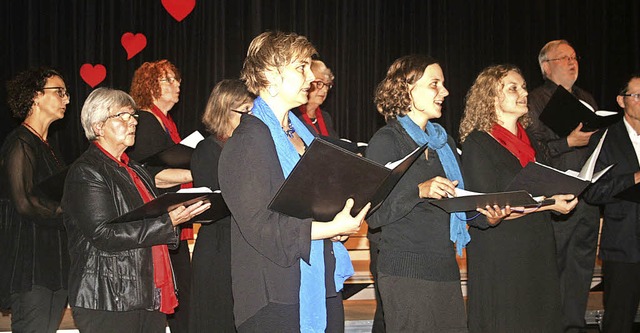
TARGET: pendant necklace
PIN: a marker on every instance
(46, 143)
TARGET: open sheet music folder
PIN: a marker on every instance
(469, 201)
(327, 175)
(176, 156)
(564, 112)
(167, 202)
(539, 179)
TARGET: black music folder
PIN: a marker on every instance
(327, 175)
(539, 179)
(564, 112)
(169, 201)
(53, 186)
(630, 194)
(469, 201)
(177, 156)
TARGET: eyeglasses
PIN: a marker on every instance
(320, 84)
(170, 80)
(566, 58)
(125, 116)
(61, 91)
(635, 96)
(246, 110)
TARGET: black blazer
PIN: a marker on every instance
(620, 230)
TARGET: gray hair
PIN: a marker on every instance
(552, 45)
(318, 65)
(98, 105)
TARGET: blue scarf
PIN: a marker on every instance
(313, 309)
(436, 138)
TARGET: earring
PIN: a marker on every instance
(273, 91)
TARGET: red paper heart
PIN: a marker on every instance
(133, 44)
(179, 9)
(93, 75)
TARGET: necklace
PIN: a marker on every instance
(46, 143)
(289, 132)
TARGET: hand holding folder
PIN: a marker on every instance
(465, 201)
(327, 175)
(564, 112)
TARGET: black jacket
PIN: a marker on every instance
(111, 264)
(620, 240)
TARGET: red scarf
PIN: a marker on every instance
(162, 275)
(323, 128)
(519, 145)
(168, 123)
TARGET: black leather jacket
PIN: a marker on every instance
(111, 264)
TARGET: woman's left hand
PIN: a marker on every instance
(340, 238)
(183, 214)
(494, 214)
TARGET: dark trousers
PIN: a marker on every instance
(416, 305)
(621, 296)
(38, 310)
(285, 318)
(378, 317)
(181, 262)
(137, 321)
(576, 239)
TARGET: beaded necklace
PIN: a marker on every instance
(46, 143)
(289, 132)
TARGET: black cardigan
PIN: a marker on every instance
(415, 234)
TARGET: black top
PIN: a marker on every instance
(415, 234)
(513, 283)
(620, 240)
(151, 138)
(33, 241)
(562, 156)
(315, 128)
(265, 246)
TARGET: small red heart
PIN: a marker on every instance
(179, 9)
(93, 75)
(133, 44)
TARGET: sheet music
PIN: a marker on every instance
(393, 165)
(192, 140)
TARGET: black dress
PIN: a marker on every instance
(513, 283)
(151, 138)
(211, 297)
(33, 240)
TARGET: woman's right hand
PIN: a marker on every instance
(343, 224)
(565, 203)
(437, 188)
(183, 214)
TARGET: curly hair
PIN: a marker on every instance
(392, 96)
(145, 85)
(23, 89)
(272, 50)
(480, 102)
(226, 95)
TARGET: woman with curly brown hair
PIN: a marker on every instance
(33, 245)
(155, 87)
(513, 283)
(418, 276)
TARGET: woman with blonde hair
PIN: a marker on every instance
(287, 273)
(513, 283)
(211, 298)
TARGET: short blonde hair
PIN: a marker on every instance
(226, 95)
(480, 102)
(321, 67)
(392, 96)
(272, 50)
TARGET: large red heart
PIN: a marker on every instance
(133, 44)
(93, 75)
(179, 9)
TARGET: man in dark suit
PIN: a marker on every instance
(620, 240)
(576, 233)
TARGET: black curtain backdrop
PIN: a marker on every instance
(358, 40)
